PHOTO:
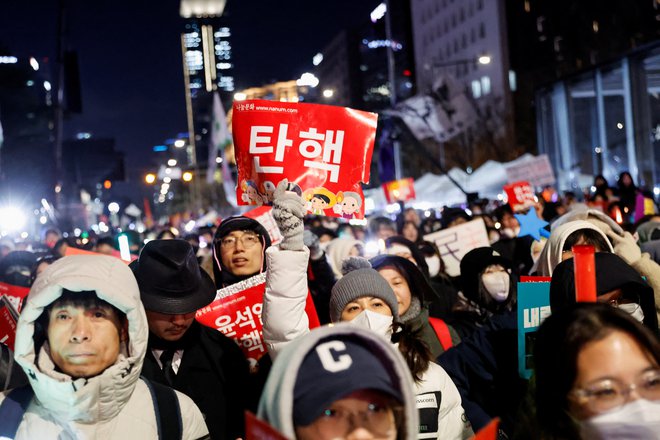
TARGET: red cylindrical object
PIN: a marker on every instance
(585, 273)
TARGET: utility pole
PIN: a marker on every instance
(391, 75)
(59, 103)
(191, 149)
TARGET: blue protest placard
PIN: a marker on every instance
(533, 308)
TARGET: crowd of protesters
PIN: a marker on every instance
(106, 349)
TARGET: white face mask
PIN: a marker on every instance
(376, 322)
(634, 309)
(434, 265)
(637, 420)
(497, 285)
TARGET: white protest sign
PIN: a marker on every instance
(536, 171)
(457, 241)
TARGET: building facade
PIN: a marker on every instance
(604, 120)
(26, 118)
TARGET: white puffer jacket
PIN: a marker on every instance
(285, 320)
(112, 405)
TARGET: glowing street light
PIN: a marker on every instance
(187, 176)
(11, 218)
(307, 79)
(150, 178)
(328, 93)
(179, 143)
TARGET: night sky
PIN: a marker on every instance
(130, 56)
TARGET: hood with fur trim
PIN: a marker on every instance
(84, 400)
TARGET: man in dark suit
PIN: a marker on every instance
(196, 360)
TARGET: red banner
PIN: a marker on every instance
(324, 150)
(8, 320)
(236, 312)
(399, 190)
(15, 294)
(520, 195)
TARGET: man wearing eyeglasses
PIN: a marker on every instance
(238, 250)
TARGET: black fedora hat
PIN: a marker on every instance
(170, 278)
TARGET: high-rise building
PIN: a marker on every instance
(208, 68)
(206, 46)
(26, 154)
(528, 43)
(353, 68)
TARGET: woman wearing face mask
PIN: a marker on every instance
(416, 299)
(597, 376)
(487, 284)
(363, 298)
(617, 284)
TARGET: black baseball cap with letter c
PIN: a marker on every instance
(336, 368)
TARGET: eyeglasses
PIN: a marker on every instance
(608, 394)
(380, 420)
(247, 240)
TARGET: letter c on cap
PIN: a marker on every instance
(342, 362)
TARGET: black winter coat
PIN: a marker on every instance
(484, 368)
(214, 374)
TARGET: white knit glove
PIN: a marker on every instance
(625, 247)
(288, 211)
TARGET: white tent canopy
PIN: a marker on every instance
(436, 191)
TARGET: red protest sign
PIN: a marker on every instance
(520, 195)
(236, 312)
(8, 320)
(325, 150)
(257, 429)
(399, 190)
(15, 294)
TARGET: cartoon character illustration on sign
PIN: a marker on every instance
(348, 204)
(319, 199)
(268, 191)
(251, 194)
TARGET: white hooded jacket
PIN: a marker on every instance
(113, 405)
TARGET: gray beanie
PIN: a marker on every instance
(360, 280)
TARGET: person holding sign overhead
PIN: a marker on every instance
(364, 298)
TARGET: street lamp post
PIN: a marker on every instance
(391, 76)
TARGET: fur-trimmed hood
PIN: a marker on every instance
(101, 397)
